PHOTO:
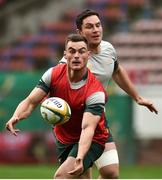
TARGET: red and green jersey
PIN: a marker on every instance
(88, 95)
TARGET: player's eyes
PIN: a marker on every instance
(82, 51)
(98, 24)
(72, 51)
(89, 26)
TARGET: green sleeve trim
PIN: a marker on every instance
(116, 65)
(95, 109)
(42, 85)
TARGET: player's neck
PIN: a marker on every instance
(94, 49)
(76, 76)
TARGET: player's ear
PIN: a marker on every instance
(78, 31)
(65, 55)
(89, 54)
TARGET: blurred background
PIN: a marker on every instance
(32, 35)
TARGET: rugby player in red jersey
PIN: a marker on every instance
(81, 140)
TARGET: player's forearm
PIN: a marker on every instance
(26, 107)
(122, 79)
(85, 142)
(23, 110)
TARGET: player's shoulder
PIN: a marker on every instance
(94, 82)
(59, 69)
(63, 60)
(95, 87)
(107, 45)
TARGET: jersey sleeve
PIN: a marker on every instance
(96, 103)
(114, 57)
(116, 62)
(45, 81)
(63, 61)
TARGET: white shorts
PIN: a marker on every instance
(107, 158)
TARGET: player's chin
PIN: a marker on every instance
(76, 67)
(96, 42)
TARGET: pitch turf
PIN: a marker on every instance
(47, 171)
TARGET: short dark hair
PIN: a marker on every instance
(75, 38)
(84, 14)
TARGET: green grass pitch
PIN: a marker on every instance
(46, 171)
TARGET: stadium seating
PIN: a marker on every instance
(142, 44)
(137, 39)
(148, 25)
(140, 51)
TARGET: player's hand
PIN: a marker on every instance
(149, 104)
(10, 125)
(78, 167)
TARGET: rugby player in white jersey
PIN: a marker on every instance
(104, 65)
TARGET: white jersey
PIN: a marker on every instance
(103, 64)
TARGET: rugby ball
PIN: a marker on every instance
(55, 111)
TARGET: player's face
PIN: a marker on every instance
(92, 30)
(77, 55)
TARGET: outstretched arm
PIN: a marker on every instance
(121, 77)
(89, 124)
(25, 108)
